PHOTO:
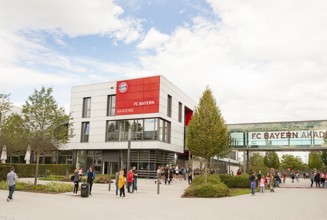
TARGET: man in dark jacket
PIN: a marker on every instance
(252, 179)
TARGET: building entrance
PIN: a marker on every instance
(110, 167)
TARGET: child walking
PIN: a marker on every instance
(262, 184)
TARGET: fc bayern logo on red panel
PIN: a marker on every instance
(122, 87)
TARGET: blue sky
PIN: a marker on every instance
(264, 60)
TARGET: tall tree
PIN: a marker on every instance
(15, 132)
(315, 160)
(207, 133)
(324, 157)
(257, 164)
(271, 160)
(291, 162)
(48, 126)
(5, 106)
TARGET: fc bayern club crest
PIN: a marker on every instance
(122, 87)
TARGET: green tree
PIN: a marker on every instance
(271, 160)
(15, 132)
(48, 126)
(315, 160)
(256, 163)
(324, 157)
(5, 106)
(207, 133)
(291, 162)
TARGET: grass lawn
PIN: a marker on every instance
(239, 191)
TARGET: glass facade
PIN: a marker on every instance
(304, 135)
(142, 130)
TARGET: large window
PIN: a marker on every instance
(86, 107)
(150, 129)
(141, 129)
(111, 105)
(123, 127)
(85, 131)
(112, 131)
(169, 105)
(164, 131)
(137, 128)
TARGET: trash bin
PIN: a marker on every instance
(85, 190)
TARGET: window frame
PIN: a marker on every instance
(85, 128)
(111, 105)
(169, 105)
(86, 111)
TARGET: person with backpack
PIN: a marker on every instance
(90, 175)
(77, 179)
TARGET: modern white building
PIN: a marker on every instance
(151, 112)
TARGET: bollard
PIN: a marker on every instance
(109, 185)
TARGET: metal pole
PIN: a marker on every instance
(158, 184)
(128, 150)
(229, 166)
(247, 161)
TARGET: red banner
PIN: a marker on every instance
(138, 96)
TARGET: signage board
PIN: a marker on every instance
(138, 96)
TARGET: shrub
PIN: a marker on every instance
(28, 170)
(241, 181)
(4, 169)
(212, 178)
(54, 178)
(103, 178)
(207, 190)
(52, 187)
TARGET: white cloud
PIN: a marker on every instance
(15, 77)
(74, 17)
(265, 61)
(27, 59)
(153, 39)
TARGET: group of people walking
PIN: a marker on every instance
(270, 181)
(319, 178)
(171, 173)
(90, 177)
(263, 183)
(121, 182)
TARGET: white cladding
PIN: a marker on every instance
(98, 117)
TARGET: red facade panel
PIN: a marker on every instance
(138, 96)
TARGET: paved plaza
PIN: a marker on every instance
(293, 201)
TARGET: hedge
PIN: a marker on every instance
(28, 170)
(241, 181)
(4, 169)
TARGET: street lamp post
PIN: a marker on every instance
(129, 149)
